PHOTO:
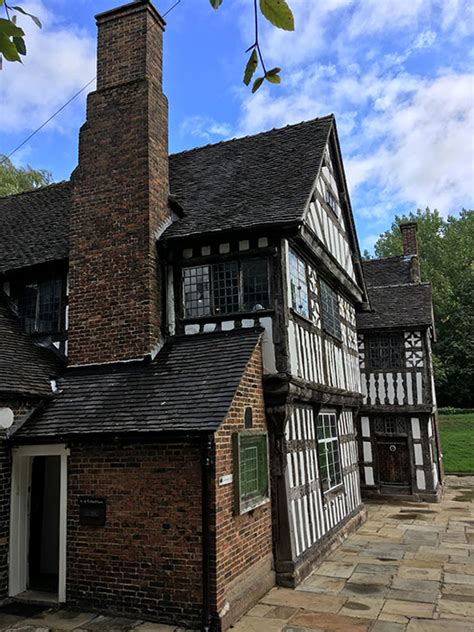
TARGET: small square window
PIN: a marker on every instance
(385, 351)
(251, 470)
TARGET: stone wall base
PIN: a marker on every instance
(291, 574)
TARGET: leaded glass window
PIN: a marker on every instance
(226, 287)
(196, 288)
(390, 425)
(298, 285)
(251, 470)
(40, 306)
(330, 472)
(385, 351)
(330, 315)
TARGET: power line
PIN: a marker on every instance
(74, 96)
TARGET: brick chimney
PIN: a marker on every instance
(120, 194)
(410, 246)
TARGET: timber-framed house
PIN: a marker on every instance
(179, 366)
(399, 445)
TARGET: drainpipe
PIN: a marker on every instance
(206, 472)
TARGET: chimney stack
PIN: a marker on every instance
(120, 194)
(410, 246)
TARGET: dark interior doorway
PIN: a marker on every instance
(43, 559)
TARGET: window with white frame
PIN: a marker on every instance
(226, 287)
(298, 284)
(330, 314)
(328, 449)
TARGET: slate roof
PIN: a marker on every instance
(387, 271)
(257, 180)
(187, 388)
(393, 306)
(34, 226)
(264, 179)
(25, 368)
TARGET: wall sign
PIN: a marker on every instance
(92, 511)
(226, 479)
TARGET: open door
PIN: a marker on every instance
(38, 522)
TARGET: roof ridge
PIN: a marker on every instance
(240, 138)
(61, 183)
(375, 260)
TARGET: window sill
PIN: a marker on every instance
(252, 508)
(333, 492)
(305, 319)
(231, 316)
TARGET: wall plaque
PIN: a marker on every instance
(92, 511)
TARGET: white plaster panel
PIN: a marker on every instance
(420, 479)
(418, 454)
(187, 253)
(367, 451)
(365, 427)
(415, 428)
(262, 242)
(369, 475)
(244, 244)
(268, 348)
(205, 251)
(191, 329)
(224, 248)
(227, 325)
(209, 327)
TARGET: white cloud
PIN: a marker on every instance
(60, 60)
(425, 146)
(406, 137)
(204, 128)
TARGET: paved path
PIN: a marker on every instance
(409, 568)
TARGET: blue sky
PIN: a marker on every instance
(398, 74)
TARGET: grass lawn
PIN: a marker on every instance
(457, 441)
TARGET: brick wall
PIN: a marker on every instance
(147, 559)
(410, 246)
(120, 194)
(241, 541)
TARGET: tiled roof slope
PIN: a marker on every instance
(34, 226)
(187, 388)
(387, 271)
(392, 306)
(251, 181)
(264, 179)
(25, 369)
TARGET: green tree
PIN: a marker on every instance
(17, 179)
(446, 251)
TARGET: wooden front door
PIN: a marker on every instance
(393, 461)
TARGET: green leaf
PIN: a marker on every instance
(251, 67)
(8, 48)
(9, 29)
(273, 78)
(278, 13)
(20, 45)
(36, 20)
(257, 83)
(215, 3)
(273, 71)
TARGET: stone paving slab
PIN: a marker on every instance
(410, 568)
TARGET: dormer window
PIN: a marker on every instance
(40, 306)
(226, 288)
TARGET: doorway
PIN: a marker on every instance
(43, 553)
(394, 461)
(38, 522)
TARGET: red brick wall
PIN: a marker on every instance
(410, 246)
(120, 195)
(241, 541)
(147, 559)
